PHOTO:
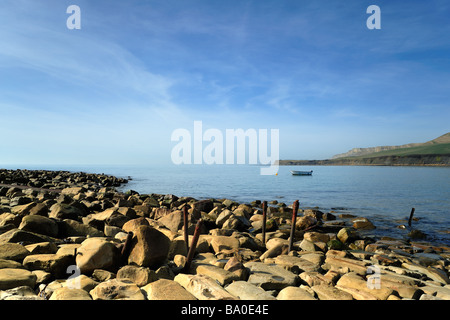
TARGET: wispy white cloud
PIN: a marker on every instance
(81, 59)
(88, 93)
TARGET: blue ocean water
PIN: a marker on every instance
(385, 195)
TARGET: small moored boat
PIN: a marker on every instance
(301, 173)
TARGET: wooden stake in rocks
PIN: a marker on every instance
(264, 222)
(294, 219)
(126, 247)
(411, 216)
(193, 246)
(186, 234)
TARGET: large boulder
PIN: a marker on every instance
(138, 275)
(65, 211)
(70, 228)
(133, 224)
(97, 253)
(203, 287)
(164, 289)
(115, 289)
(13, 251)
(158, 213)
(22, 236)
(151, 202)
(296, 264)
(237, 222)
(80, 282)
(12, 278)
(72, 191)
(223, 216)
(52, 263)
(362, 224)
(246, 291)
(42, 247)
(20, 200)
(110, 216)
(359, 288)
(4, 263)
(39, 224)
(200, 206)
(329, 292)
(149, 247)
(219, 243)
(294, 293)
(316, 214)
(270, 276)
(316, 237)
(346, 235)
(128, 212)
(173, 221)
(65, 293)
(304, 222)
(8, 218)
(23, 209)
(222, 276)
(20, 293)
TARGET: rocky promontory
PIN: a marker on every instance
(435, 160)
(73, 236)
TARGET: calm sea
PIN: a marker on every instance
(385, 195)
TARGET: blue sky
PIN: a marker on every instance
(114, 91)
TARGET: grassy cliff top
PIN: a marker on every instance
(438, 146)
(428, 149)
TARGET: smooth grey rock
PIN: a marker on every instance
(270, 276)
(247, 291)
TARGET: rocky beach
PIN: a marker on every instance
(74, 236)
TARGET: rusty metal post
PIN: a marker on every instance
(193, 246)
(294, 219)
(411, 216)
(186, 233)
(264, 222)
(126, 247)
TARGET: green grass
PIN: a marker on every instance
(435, 149)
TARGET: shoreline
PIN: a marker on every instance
(60, 219)
(300, 163)
(435, 160)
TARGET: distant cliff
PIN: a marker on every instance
(412, 160)
(358, 152)
(432, 153)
